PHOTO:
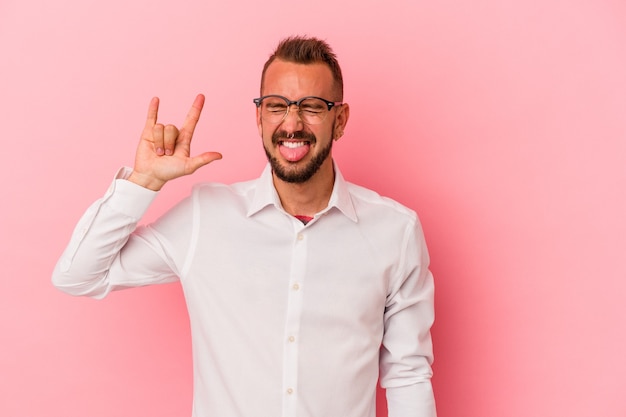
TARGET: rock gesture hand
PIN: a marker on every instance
(163, 153)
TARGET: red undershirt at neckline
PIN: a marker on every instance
(303, 219)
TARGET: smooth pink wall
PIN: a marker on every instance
(503, 123)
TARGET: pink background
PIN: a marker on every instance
(503, 123)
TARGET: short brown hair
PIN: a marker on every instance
(307, 50)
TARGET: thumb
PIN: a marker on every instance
(203, 159)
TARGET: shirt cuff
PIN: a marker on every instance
(415, 400)
(127, 197)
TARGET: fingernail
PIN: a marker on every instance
(168, 152)
(159, 151)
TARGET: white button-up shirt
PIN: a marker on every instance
(286, 319)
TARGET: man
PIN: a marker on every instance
(302, 289)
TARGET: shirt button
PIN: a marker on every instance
(289, 391)
(291, 339)
(296, 287)
(300, 236)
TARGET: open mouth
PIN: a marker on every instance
(293, 150)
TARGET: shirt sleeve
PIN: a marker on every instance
(407, 353)
(107, 251)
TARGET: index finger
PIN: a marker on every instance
(193, 116)
(153, 111)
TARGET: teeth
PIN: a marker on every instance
(293, 145)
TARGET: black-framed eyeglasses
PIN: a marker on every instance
(312, 110)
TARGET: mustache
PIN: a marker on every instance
(279, 135)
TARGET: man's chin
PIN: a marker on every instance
(291, 173)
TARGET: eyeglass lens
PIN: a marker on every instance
(311, 110)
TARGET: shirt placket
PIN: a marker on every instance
(292, 326)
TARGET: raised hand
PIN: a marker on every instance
(163, 153)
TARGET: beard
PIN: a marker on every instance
(289, 172)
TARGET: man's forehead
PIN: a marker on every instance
(291, 75)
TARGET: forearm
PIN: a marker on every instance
(99, 237)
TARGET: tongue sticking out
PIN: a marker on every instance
(294, 151)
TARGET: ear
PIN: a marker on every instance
(259, 123)
(341, 120)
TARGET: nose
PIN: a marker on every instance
(292, 121)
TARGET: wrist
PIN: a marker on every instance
(146, 181)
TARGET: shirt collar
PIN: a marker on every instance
(265, 195)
